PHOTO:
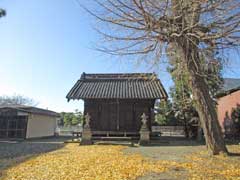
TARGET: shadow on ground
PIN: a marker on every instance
(161, 142)
(15, 152)
(156, 142)
(169, 148)
(234, 154)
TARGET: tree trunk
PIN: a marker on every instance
(203, 101)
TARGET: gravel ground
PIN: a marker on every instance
(163, 152)
(171, 153)
(175, 150)
(12, 152)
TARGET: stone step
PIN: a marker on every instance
(114, 138)
(126, 143)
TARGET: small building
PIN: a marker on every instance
(227, 100)
(115, 102)
(18, 121)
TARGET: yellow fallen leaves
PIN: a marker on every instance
(75, 162)
(217, 167)
(98, 162)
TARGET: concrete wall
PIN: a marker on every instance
(40, 126)
(224, 109)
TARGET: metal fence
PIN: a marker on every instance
(169, 130)
(176, 131)
(67, 130)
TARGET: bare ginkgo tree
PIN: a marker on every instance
(17, 100)
(188, 29)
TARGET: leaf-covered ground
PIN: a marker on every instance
(106, 162)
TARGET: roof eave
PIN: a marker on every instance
(225, 93)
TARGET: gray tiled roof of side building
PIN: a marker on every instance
(30, 109)
(230, 84)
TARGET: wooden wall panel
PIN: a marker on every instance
(91, 107)
(126, 117)
(118, 115)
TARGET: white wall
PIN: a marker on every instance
(40, 126)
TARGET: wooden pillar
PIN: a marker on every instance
(199, 132)
(118, 104)
(7, 130)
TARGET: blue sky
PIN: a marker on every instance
(45, 45)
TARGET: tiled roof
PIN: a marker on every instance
(118, 86)
(230, 85)
(30, 109)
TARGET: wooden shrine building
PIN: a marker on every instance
(115, 102)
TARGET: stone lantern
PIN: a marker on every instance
(86, 134)
(144, 131)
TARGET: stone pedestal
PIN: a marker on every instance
(87, 133)
(144, 132)
(86, 137)
(144, 137)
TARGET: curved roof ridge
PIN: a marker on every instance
(118, 76)
(118, 86)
